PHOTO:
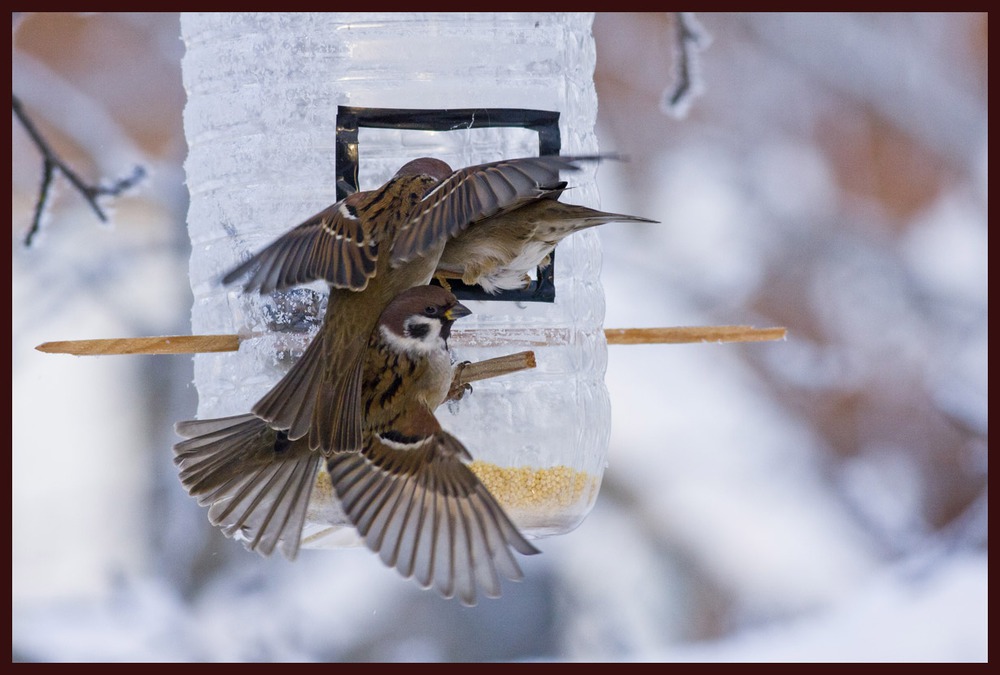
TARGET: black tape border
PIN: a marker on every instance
(544, 122)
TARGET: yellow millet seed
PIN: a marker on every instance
(526, 487)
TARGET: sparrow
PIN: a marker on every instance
(408, 491)
(370, 246)
(497, 253)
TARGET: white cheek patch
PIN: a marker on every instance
(424, 345)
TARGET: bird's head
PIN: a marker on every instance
(417, 318)
(427, 166)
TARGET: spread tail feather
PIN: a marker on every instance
(256, 482)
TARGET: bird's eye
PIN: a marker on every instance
(431, 310)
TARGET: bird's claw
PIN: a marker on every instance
(442, 281)
(459, 388)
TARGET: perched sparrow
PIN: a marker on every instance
(497, 253)
(408, 491)
(370, 246)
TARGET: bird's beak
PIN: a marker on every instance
(457, 311)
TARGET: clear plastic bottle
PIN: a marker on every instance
(263, 93)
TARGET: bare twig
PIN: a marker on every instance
(691, 37)
(51, 162)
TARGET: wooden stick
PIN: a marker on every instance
(171, 344)
(191, 344)
(487, 368)
(687, 334)
(501, 365)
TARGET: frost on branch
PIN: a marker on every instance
(52, 163)
(691, 38)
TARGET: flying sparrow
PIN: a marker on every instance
(408, 492)
(369, 246)
(497, 253)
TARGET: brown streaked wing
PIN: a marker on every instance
(331, 246)
(474, 193)
(426, 514)
(336, 418)
(255, 482)
(289, 404)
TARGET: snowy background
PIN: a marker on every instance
(818, 499)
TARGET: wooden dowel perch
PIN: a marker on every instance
(464, 376)
(467, 373)
(643, 336)
(172, 344)
(192, 344)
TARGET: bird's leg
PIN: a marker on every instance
(442, 276)
(459, 386)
